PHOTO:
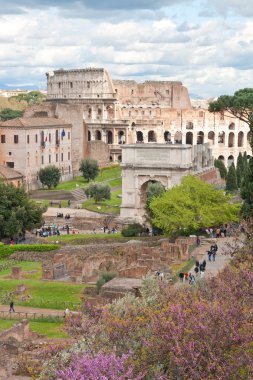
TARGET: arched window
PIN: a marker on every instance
(89, 136)
(230, 160)
(189, 125)
(97, 135)
(200, 137)
(240, 139)
(221, 138)
(231, 126)
(139, 136)
(211, 136)
(221, 158)
(109, 137)
(167, 136)
(178, 137)
(121, 137)
(119, 158)
(189, 138)
(151, 136)
(231, 140)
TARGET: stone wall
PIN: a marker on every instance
(20, 332)
(98, 150)
(84, 263)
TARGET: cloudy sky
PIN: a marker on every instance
(207, 44)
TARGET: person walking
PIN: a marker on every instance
(181, 276)
(11, 307)
(210, 253)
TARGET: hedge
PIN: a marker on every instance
(6, 250)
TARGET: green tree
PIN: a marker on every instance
(245, 162)
(154, 189)
(17, 211)
(31, 97)
(219, 164)
(239, 105)
(231, 183)
(50, 176)
(98, 191)
(191, 206)
(247, 191)
(9, 113)
(239, 169)
(89, 169)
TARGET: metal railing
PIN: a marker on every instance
(18, 315)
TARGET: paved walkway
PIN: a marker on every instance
(52, 211)
(213, 267)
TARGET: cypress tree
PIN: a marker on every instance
(247, 191)
(245, 161)
(219, 164)
(231, 184)
(240, 169)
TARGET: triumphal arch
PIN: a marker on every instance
(164, 163)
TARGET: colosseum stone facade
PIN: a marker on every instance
(107, 113)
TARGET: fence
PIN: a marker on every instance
(31, 316)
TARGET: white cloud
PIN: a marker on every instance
(210, 55)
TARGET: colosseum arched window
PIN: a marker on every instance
(89, 136)
(139, 136)
(178, 137)
(240, 139)
(230, 160)
(97, 135)
(167, 136)
(211, 136)
(231, 140)
(221, 158)
(200, 137)
(121, 137)
(189, 138)
(189, 125)
(151, 136)
(109, 137)
(221, 138)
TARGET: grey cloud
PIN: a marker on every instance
(20, 6)
(241, 7)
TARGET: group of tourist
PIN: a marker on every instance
(220, 232)
(190, 278)
(48, 231)
(212, 252)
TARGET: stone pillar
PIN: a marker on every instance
(114, 111)
(226, 139)
(103, 112)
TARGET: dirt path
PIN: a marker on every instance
(26, 309)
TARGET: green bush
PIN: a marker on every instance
(132, 230)
(103, 278)
(6, 250)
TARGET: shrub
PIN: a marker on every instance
(132, 230)
(103, 278)
(7, 250)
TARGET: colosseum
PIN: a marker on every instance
(106, 113)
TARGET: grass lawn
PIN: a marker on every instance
(44, 294)
(50, 329)
(111, 175)
(90, 238)
(111, 206)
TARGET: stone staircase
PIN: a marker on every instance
(79, 197)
